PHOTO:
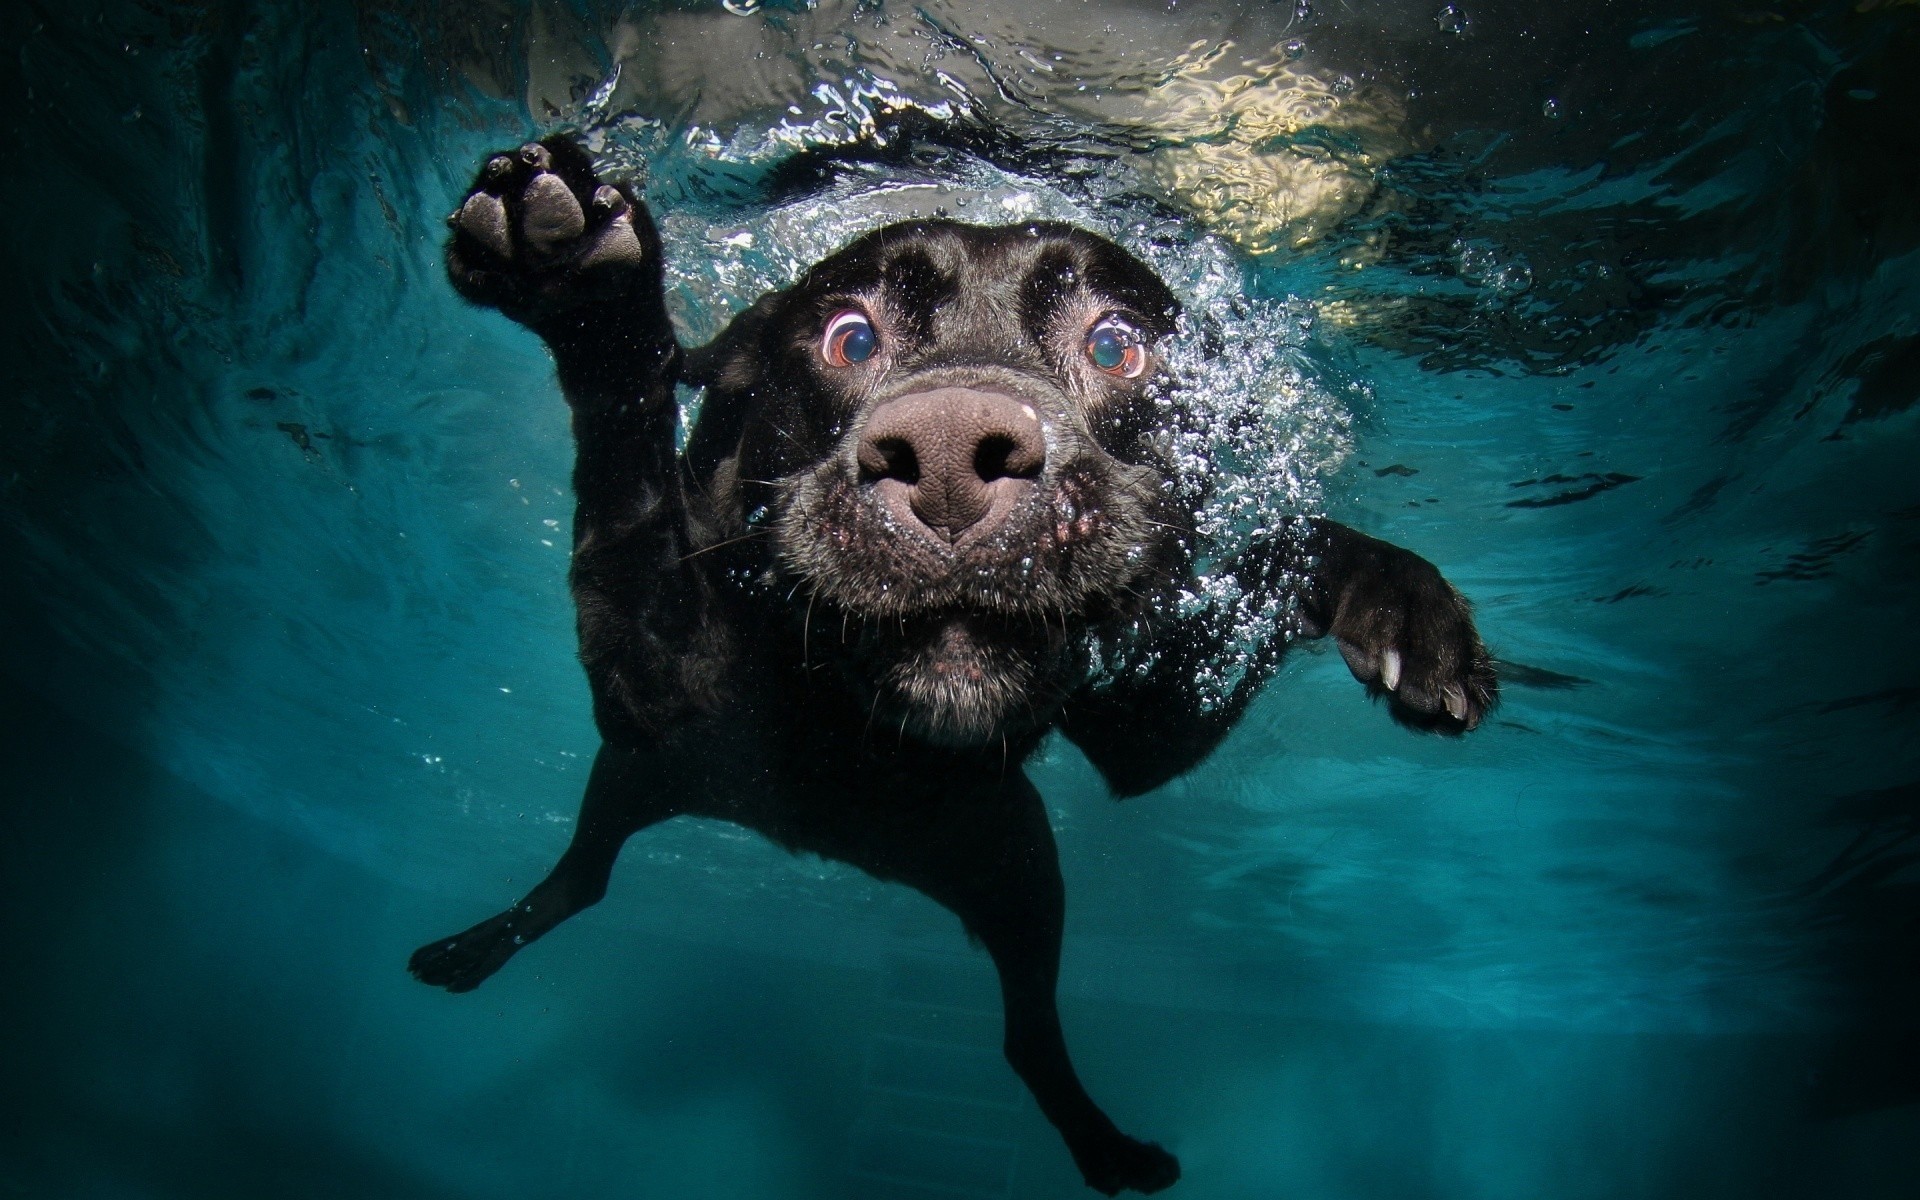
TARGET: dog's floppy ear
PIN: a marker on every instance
(730, 361)
(729, 368)
(699, 365)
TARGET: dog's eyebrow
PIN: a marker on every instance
(1053, 274)
(1136, 286)
(918, 287)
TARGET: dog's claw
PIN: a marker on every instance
(1390, 669)
(536, 156)
(498, 168)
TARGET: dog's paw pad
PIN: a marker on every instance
(549, 214)
(484, 219)
(538, 233)
(614, 245)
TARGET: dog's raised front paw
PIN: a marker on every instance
(539, 234)
(1409, 636)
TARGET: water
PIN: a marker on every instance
(1608, 311)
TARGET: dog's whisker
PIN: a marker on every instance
(806, 630)
(783, 433)
(724, 543)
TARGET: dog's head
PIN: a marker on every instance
(952, 435)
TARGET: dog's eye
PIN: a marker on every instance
(849, 339)
(1117, 348)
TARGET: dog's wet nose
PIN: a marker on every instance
(956, 459)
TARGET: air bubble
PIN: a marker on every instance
(1483, 266)
(1451, 19)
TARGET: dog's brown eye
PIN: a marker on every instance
(1117, 348)
(849, 339)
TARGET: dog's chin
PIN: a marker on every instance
(961, 680)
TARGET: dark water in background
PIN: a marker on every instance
(1614, 312)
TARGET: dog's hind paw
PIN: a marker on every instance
(1123, 1164)
(462, 962)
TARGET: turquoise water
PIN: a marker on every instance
(1609, 312)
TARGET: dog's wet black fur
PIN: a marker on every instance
(925, 481)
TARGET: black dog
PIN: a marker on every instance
(925, 517)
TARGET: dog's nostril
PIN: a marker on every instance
(1003, 456)
(990, 458)
(889, 458)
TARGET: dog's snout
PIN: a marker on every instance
(955, 459)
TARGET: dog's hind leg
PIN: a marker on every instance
(619, 802)
(1000, 872)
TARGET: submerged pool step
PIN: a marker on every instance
(941, 1070)
(897, 1163)
(942, 1108)
(942, 981)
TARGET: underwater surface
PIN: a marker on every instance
(1610, 309)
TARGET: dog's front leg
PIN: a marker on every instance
(578, 261)
(1402, 628)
